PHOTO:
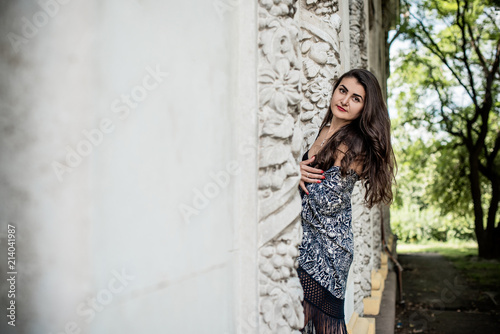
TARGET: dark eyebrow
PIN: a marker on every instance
(353, 93)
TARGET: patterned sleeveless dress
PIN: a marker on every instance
(326, 251)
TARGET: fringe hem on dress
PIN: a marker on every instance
(321, 323)
(323, 312)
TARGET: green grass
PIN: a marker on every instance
(449, 249)
(483, 273)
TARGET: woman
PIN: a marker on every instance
(353, 144)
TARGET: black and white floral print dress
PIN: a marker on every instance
(326, 251)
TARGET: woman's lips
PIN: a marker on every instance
(341, 109)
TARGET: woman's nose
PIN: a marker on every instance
(345, 100)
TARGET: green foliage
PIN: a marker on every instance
(440, 88)
(418, 214)
(412, 225)
(463, 255)
(450, 188)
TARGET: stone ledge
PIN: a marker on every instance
(371, 305)
(361, 325)
(377, 280)
(386, 319)
(383, 271)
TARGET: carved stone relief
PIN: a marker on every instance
(376, 222)
(279, 287)
(320, 48)
(279, 97)
(321, 8)
(299, 61)
(359, 57)
(362, 231)
(280, 229)
(389, 236)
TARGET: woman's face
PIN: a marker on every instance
(348, 100)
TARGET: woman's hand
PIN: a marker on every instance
(309, 174)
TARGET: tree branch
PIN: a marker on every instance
(437, 51)
(475, 45)
(488, 100)
(461, 23)
(491, 76)
(493, 21)
(446, 120)
(490, 158)
(394, 37)
(412, 119)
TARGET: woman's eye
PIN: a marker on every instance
(356, 99)
(342, 90)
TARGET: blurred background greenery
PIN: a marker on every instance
(444, 102)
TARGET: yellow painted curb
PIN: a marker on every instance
(377, 280)
(383, 258)
(371, 326)
(352, 322)
(360, 325)
(383, 271)
(371, 305)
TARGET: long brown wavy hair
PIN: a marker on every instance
(368, 141)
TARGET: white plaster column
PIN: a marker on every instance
(376, 225)
(362, 231)
(123, 168)
(279, 230)
(48, 97)
(246, 139)
(358, 33)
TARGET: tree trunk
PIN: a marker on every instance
(492, 232)
(475, 186)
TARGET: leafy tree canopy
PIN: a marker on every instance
(445, 88)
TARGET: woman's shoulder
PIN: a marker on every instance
(356, 165)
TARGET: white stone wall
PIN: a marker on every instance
(122, 165)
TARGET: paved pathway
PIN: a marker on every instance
(439, 300)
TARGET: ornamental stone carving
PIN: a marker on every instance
(279, 286)
(358, 45)
(321, 7)
(320, 48)
(362, 231)
(280, 229)
(376, 225)
(279, 96)
(299, 59)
